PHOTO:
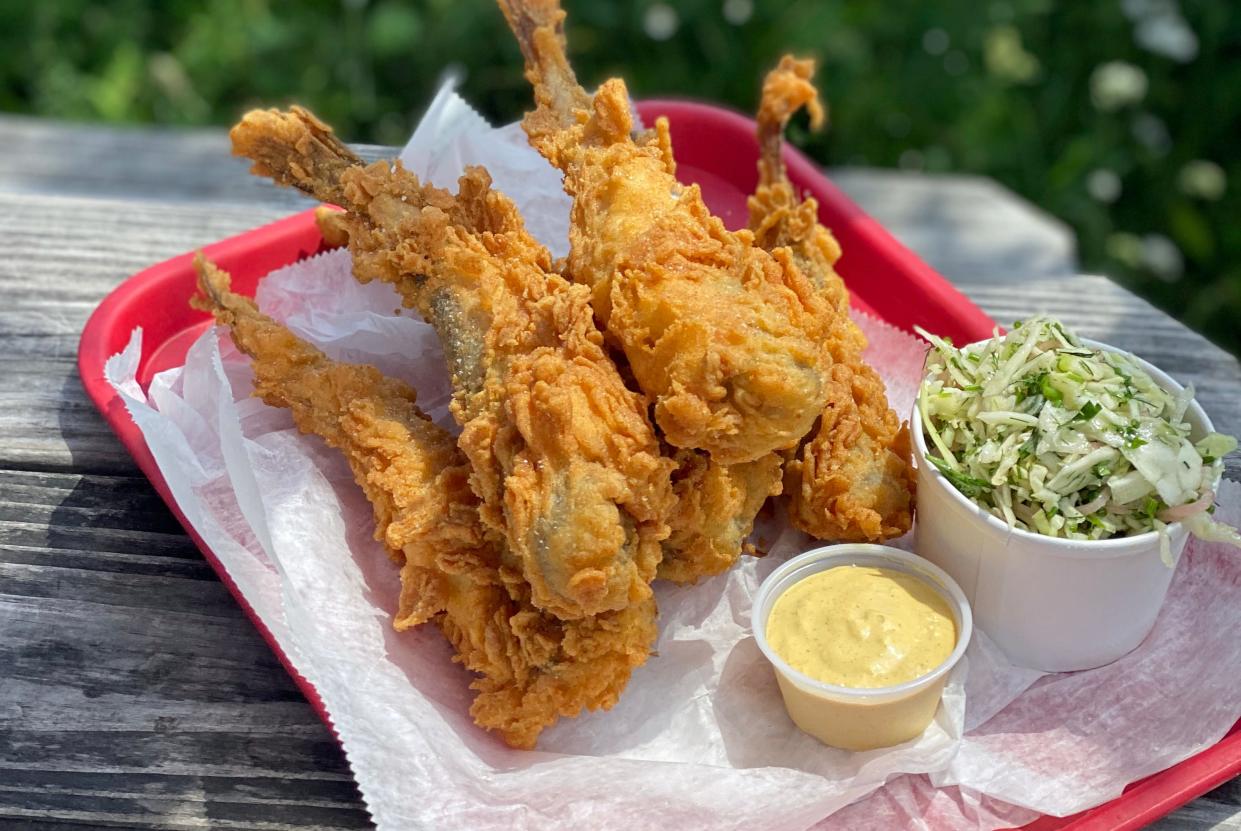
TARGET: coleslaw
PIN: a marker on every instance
(1058, 438)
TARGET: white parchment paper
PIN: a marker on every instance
(699, 739)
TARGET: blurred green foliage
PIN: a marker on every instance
(1121, 117)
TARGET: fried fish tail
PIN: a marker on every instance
(786, 89)
(778, 217)
(538, 26)
(851, 479)
(532, 667)
(295, 149)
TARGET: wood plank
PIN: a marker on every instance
(161, 165)
(1203, 814)
(963, 226)
(331, 790)
(134, 693)
(50, 424)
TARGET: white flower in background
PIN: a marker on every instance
(1162, 257)
(1103, 185)
(1152, 133)
(1159, 27)
(738, 12)
(1117, 84)
(1202, 178)
(1006, 57)
(660, 22)
(935, 41)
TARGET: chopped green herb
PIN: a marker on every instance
(969, 485)
(1030, 386)
(1088, 411)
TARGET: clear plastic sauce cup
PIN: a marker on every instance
(860, 718)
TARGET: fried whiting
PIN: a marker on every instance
(533, 667)
(563, 457)
(532, 539)
(722, 335)
(851, 479)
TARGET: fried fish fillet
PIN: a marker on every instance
(533, 667)
(721, 334)
(563, 455)
(851, 479)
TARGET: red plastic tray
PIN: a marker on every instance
(715, 148)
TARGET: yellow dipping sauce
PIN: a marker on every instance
(862, 627)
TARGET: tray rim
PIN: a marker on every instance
(1141, 803)
(98, 343)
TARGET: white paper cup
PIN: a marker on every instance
(1051, 604)
(854, 718)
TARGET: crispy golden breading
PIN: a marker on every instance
(851, 479)
(563, 455)
(715, 510)
(533, 667)
(721, 334)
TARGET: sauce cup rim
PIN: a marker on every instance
(846, 554)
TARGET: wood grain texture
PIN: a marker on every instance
(133, 692)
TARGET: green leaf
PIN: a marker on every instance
(393, 29)
(1088, 411)
(1191, 230)
(966, 484)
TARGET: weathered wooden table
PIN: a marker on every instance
(133, 692)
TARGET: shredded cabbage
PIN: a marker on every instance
(1061, 439)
